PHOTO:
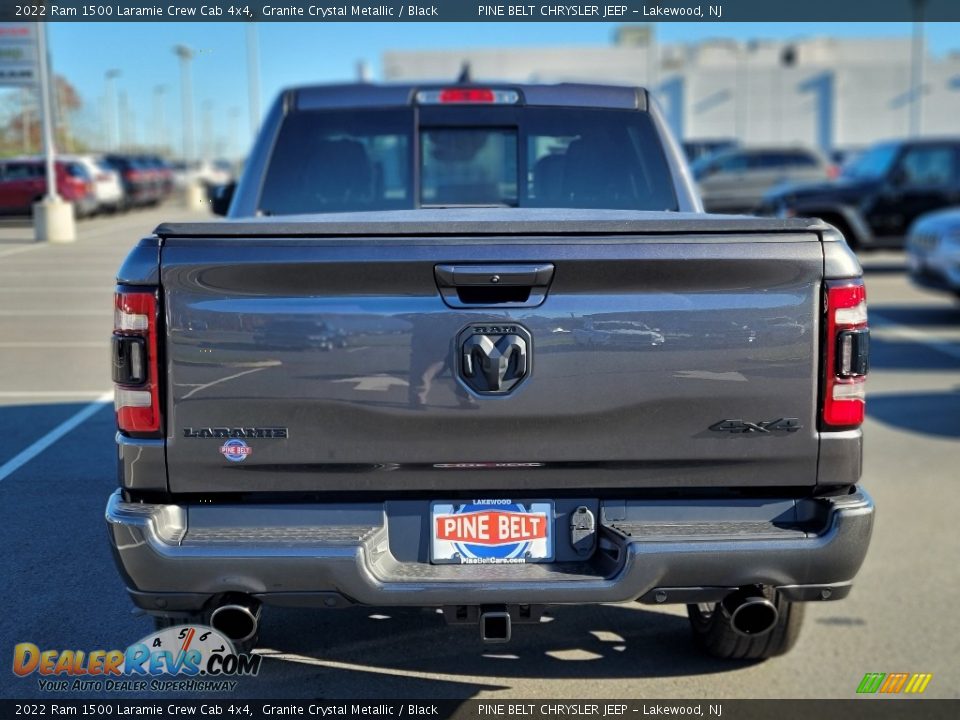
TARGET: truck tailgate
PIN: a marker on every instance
(334, 361)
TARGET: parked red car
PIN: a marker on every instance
(23, 182)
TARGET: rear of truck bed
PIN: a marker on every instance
(486, 409)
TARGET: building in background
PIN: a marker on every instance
(823, 92)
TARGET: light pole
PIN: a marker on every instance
(206, 127)
(234, 147)
(52, 217)
(160, 135)
(111, 108)
(186, 55)
(124, 112)
(46, 106)
(916, 67)
(63, 117)
(253, 78)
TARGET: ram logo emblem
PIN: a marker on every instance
(493, 359)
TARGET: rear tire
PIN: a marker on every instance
(714, 634)
(162, 622)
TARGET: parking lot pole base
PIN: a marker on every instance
(53, 221)
(195, 197)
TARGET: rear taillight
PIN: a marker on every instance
(847, 354)
(135, 368)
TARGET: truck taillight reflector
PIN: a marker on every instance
(847, 354)
(135, 368)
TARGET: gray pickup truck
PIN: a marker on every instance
(478, 348)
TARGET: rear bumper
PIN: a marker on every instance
(177, 558)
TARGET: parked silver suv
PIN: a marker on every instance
(933, 251)
(735, 180)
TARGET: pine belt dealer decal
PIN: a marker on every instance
(236, 450)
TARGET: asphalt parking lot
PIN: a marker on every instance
(62, 590)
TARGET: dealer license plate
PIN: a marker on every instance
(496, 531)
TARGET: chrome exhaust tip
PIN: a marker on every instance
(237, 623)
(750, 614)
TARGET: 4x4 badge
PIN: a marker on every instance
(764, 426)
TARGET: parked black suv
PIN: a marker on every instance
(881, 193)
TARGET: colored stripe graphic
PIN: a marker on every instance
(871, 682)
(894, 682)
(918, 683)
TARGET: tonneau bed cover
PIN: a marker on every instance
(490, 221)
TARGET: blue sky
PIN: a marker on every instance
(292, 53)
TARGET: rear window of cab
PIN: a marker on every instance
(348, 161)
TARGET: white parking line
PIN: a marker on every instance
(14, 394)
(354, 667)
(55, 313)
(902, 332)
(28, 454)
(19, 273)
(22, 290)
(41, 344)
(74, 262)
(23, 249)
